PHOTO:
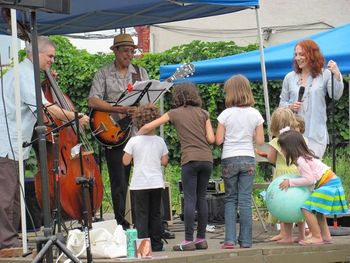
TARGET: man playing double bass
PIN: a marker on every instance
(109, 84)
(10, 245)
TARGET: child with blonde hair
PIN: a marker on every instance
(239, 125)
(282, 119)
(301, 123)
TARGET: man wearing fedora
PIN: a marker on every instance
(109, 84)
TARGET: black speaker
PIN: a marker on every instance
(216, 208)
(166, 210)
(32, 206)
(51, 6)
(343, 220)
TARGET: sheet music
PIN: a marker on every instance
(155, 89)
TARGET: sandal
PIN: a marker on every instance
(228, 246)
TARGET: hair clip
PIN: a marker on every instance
(285, 129)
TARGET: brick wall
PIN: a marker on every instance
(143, 35)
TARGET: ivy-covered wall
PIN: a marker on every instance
(76, 69)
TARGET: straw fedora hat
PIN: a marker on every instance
(123, 40)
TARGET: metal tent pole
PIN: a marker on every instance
(263, 70)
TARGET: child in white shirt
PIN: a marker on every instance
(149, 153)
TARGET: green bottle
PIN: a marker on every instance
(131, 236)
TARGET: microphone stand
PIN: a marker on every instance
(335, 220)
(85, 184)
(332, 127)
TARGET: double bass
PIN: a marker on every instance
(69, 168)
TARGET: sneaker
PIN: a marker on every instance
(185, 246)
(245, 246)
(228, 246)
(201, 244)
(158, 247)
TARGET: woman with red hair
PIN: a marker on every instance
(311, 76)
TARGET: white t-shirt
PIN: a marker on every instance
(147, 151)
(240, 124)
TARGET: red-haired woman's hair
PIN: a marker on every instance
(313, 55)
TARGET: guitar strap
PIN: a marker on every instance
(136, 76)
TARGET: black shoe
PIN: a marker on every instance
(167, 234)
(158, 247)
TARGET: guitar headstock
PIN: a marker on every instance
(184, 71)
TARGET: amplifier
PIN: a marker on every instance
(214, 186)
(216, 208)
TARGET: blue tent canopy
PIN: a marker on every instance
(334, 44)
(92, 15)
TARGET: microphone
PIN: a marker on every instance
(301, 93)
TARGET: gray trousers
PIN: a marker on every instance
(9, 203)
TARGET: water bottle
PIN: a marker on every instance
(131, 236)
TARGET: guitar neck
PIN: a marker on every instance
(170, 79)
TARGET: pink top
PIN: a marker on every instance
(310, 172)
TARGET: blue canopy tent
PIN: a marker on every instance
(334, 44)
(91, 15)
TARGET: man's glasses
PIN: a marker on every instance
(127, 50)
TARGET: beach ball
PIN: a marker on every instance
(285, 204)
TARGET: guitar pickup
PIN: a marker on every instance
(101, 128)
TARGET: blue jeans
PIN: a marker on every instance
(238, 174)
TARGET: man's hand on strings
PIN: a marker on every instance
(83, 119)
(54, 74)
(130, 110)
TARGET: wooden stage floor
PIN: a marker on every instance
(261, 252)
